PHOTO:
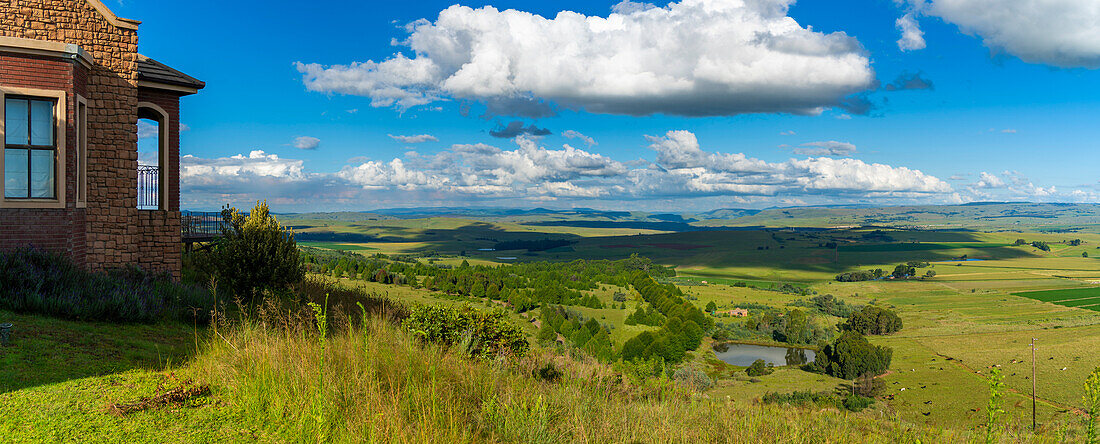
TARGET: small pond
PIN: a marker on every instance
(744, 355)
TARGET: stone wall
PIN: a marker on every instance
(110, 232)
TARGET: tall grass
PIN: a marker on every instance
(39, 282)
(381, 384)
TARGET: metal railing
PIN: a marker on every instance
(201, 225)
(148, 187)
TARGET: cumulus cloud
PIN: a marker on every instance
(515, 128)
(912, 38)
(986, 180)
(1061, 33)
(571, 134)
(690, 58)
(682, 167)
(829, 148)
(414, 139)
(306, 143)
(528, 171)
(910, 81)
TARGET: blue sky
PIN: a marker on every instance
(1004, 109)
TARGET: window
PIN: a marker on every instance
(81, 152)
(30, 148)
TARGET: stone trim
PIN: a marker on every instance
(112, 18)
(61, 112)
(45, 48)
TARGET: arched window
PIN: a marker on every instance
(152, 129)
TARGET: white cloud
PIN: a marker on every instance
(577, 135)
(692, 58)
(912, 38)
(198, 171)
(306, 143)
(414, 139)
(147, 129)
(786, 133)
(1062, 33)
(986, 180)
(829, 148)
(681, 169)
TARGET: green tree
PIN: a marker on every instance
(255, 253)
(711, 307)
(1092, 407)
(759, 368)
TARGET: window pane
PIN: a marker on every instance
(15, 121)
(41, 123)
(15, 173)
(42, 174)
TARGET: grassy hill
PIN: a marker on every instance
(265, 382)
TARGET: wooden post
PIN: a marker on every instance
(1033, 425)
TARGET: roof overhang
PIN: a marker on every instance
(167, 87)
(48, 49)
(156, 75)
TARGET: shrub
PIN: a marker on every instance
(856, 403)
(693, 378)
(619, 296)
(484, 334)
(548, 373)
(850, 356)
(873, 320)
(255, 254)
(759, 368)
(1092, 407)
(35, 281)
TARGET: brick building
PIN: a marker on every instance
(72, 89)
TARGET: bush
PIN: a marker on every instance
(255, 254)
(872, 320)
(856, 403)
(35, 281)
(759, 368)
(693, 378)
(484, 334)
(851, 356)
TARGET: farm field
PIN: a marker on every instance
(972, 315)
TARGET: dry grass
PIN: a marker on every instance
(380, 385)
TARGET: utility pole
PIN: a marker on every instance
(1033, 383)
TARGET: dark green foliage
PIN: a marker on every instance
(1020, 242)
(859, 276)
(903, 271)
(38, 282)
(857, 403)
(255, 254)
(1041, 245)
(587, 335)
(711, 307)
(548, 373)
(851, 356)
(619, 297)
(682, 331)
(873, 320)
(828, 304)
(930, 274)
(759, 368)
(484, 333)
(645, 316)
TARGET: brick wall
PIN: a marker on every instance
(110, 232)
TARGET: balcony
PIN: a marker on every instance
(148, 187)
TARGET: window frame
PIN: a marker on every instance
(81, 116)
(60, 99)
